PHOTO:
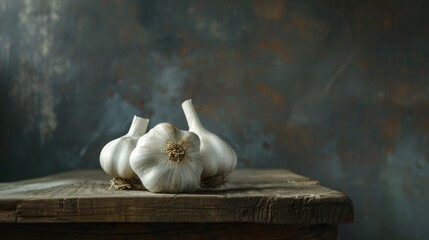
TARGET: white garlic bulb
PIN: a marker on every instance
(167, 159)
(115, 156)
(218, 157)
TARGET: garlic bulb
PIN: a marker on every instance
(168, 160)
(218, 157)
(114, 157)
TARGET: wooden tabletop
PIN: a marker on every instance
(275, 196)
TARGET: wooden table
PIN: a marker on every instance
(255, 204)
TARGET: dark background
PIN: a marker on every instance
(334, 90)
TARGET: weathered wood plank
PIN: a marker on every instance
(254, 196)
(189, 231)
(7, 211)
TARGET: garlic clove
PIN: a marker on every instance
(167, 159)
(114, 157)
(219, 159)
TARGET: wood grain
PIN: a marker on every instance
(252, 196)
(189, 231)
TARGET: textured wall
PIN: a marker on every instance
(335, 90)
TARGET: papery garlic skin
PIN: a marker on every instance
(115, 156)
(167, 159)
(218, 157)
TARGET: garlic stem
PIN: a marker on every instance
(191, 115)
(138, 127)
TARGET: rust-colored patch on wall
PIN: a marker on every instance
(220, 53)
(269, 9)
(420, 114)
(298, 141)
(402, 90)
(296, 137)
(304, 26)
(208, 109)
(274, 96)
(186, 62)
(119, 72)
(404, 93)
(205, 109)
(184, 49)
(277, 46)
(351, 153)
(385, 22)
(388, 149)
(389, 128)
